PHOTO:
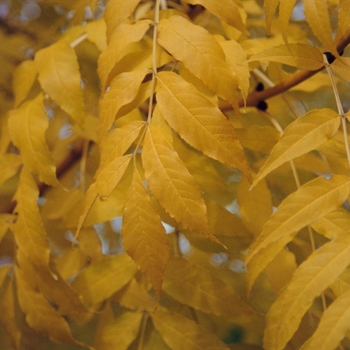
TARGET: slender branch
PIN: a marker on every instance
(154, 60)
(256, 96)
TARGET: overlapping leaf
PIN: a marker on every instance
(59, 76)
(123, 90)
(258, 262)
(124, 35)
(310, 280)
(54, 289)
(226, 10)
(237, 58)
(172, 184)
(343, 18)
(270, 9)
(29, 231)
(107, 179)
(118, 141)
(200, 53)
(9, 164)
(333, 326)
(23, 79)
(285, 11)
(334, 224)
(302, 56)
(27, 126)
(116, 12)
(5, 222)
(180, 333)
(144, 237)
(317, 16)
(198, 288)
(258, 138)
(199, 122)
(309, 203)
(103, 278)
(96, 33)
(8, 313)
(134, 296)
(40, 315)
(303, 135)
(120, 332)
(255, 205)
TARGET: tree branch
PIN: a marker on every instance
(256, 96)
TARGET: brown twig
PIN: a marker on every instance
(256, 96)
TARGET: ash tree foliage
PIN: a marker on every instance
(175, 174)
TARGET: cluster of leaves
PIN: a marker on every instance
(152, 199)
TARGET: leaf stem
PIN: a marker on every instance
(154, 58)
(77, 41)
(142, 331)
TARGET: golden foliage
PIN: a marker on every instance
(151, 198)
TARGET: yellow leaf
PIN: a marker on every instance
(270, 9)
(343, 19)
(202, 168)
(4, 270)
(280, 270)
(258, 138)
(317, 16)
(204, 127)
(302, 56)
(224, 223)
(303, 135)
(342, 283)
(255, 205)
(107, 179)
(172, 184)
(5, 222)
(9, 313)
(27, 126)
(116, 12)
(56, 291)
(201, 54)
(237, 59)
(40, 315)
(118, 141)
(226, 10)
(309, 281)
(144, 237)
(9, 164)
(333, 326)
(120, 332)
(59, 77)
(124, 35)
(29, 231)
(285, 11)
(334, 224)
(96, 33)
(257, 263)
(134, 296)
(194, 286)
(141, 59)
(180, 333)
(123, 90)
(103, 278)
(309, 203)
(23, 79)
(342, 67)
(198, 84)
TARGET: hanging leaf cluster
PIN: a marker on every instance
(175, 175)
